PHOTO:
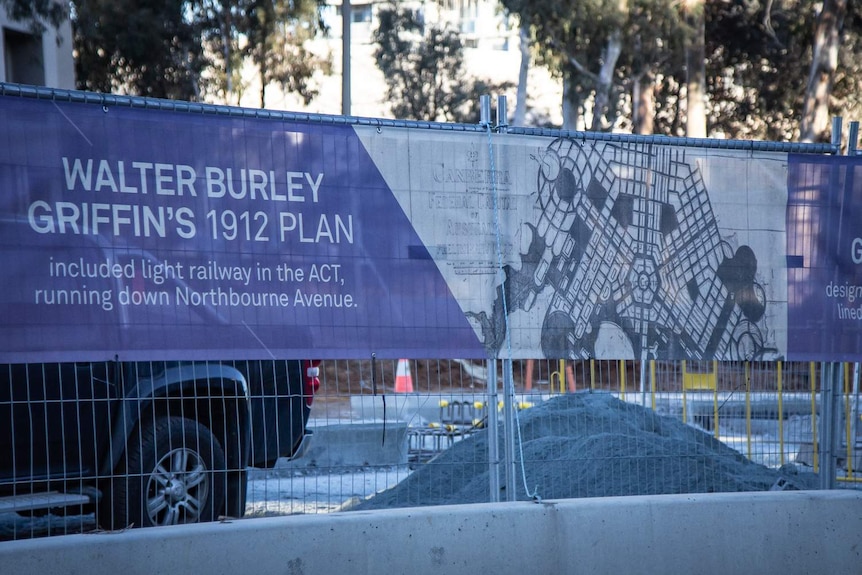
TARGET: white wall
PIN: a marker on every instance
(59, 67)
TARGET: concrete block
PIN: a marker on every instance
(354, 445)
(786, 532)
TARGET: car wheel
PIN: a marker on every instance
(237, 494)
(175, 473)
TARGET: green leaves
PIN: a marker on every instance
(36, 12)
(145, 48)
(185, 49)
(423, 65)
(277, 33)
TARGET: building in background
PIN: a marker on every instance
(492, 52)
(41, 59)
(490, 38)
(483, 24)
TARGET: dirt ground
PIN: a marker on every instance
(356, 377)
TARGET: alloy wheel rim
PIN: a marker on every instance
(177, 488)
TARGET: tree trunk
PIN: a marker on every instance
(521, 98)
(571, 104)
(643, 96)
(695, 58)
(606, 78)
(226, 48)
(824, 63)
(264, 78)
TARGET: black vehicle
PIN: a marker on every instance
(147, 443)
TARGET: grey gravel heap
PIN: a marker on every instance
(591, 445)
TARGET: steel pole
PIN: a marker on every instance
(345, 57)
(509, 430)
(493, 434)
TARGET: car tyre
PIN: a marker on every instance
(175, 473)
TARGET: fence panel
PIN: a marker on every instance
(585, 428)
(387, 433)
(502, 245)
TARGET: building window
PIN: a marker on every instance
(360, 13)
(23, 57)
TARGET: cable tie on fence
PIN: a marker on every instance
(373, 374)
(374, 394)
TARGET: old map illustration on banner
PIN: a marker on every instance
(622, 254)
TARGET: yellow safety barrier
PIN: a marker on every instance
(700, 379)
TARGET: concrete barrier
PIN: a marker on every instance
(721, 534)
(353, 445)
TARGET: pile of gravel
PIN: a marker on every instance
(591, 445)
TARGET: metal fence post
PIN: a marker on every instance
(837, 126)
(485, 110)
(830, 412)
(837, 418)
(493, 447)
(502, 115)
(831, 377)
(854, 416)
(853, 139)
(510, 431)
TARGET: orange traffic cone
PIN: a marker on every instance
(403, 379)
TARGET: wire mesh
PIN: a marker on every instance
(112, 445)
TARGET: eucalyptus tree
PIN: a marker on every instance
(608, 53)
(652, 68)
(423, 65)
(779, 70)
(822, 72)
(693, 12)
(185, 49)
(147, 48)
(580, 40)
(277, 34)
(773, 70)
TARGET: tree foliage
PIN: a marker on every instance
(756, 62)
(148, 49)
(759, 62)
(277, 33)
(38, 13)
(758, 57)
(824, 65)
(773, 70)
(424, 69)
(601, 49)
(185, 49)
(847, 83)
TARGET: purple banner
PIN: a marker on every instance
(143, 234)
(824, 258)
